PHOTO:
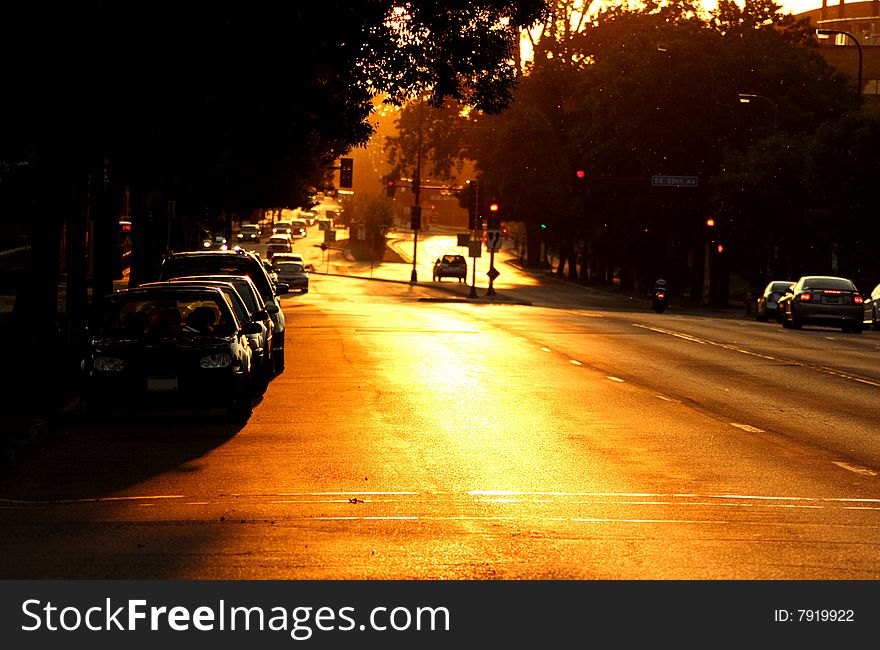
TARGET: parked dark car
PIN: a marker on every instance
(872, 309)
(260, 342)
(824, 300)
(767, 303)
(168, 346)
(450, 266)
(236, 262)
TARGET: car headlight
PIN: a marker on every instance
(109, 364)
(221, 360)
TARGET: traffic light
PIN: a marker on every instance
(494, 222)
(415, 217)
(346, 172)
(474, 220)
(710, 222)
(390, 186)
(580, 174)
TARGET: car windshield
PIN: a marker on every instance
(243, 285)
(452, 259)
(779, 286)
(289, 267)
(248, 228)
(139, 317)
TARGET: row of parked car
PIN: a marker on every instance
(210, 333)
(824, 300)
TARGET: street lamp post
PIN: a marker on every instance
(824, 33)
(745, 98)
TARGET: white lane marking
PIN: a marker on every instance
(592, 520)
(666, 495)
(546, 350)
(854, 468)
(667, 399)
(618, 379)
(575, 362)
(333, 494)
(92, 500)
(733, 348)
(746, 427)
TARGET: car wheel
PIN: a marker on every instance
(796, 322)
(761, 317)
(278, 364)
(93, 410)
(875, 324)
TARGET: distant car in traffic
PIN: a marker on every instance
(767, 303)
(249, 233)
(238, 262)
(168, 346)
(309, 217)
(293, 274)
(278, 244)
(450, 266)
(872, 309)
(829, 301)
(282, 228)
(215, 243)
(298, 228)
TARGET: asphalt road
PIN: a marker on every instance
(575, 437)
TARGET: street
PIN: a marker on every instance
(554, 434)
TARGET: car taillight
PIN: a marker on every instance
(858, 300)
(805, 297)
(661, 296)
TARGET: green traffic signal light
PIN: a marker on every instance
(543, 226)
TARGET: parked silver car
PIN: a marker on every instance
(872, 309)
(767, 304)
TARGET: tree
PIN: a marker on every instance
(220, 105)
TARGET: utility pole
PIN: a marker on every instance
(416, 214)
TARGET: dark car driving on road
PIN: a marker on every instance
(450, 266)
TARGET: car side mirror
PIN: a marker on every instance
(281, 288)
(261, 314)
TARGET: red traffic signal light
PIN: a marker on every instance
(390, 186)
(710, 222)
(346, 172)
(580, 173)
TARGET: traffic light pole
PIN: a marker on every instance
(416, 217)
